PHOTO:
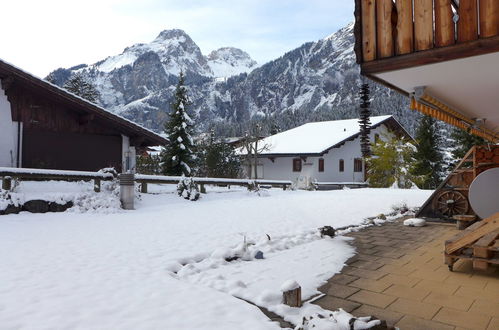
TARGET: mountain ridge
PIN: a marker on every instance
(317, 81)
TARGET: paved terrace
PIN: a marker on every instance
(399, 275)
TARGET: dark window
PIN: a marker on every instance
(342, 165)
(321, 165)
(357, 165)
(297, 165)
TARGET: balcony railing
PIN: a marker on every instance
(397, 27)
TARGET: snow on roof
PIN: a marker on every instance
(314, 138)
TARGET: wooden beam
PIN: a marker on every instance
(481, 247)
(489, 18)
(467, 26)
(7, 82)
(489, 225)
(435, 55)
(405, 30)
(368, 30)
(423, 24)
(444, 24)
(384, 31)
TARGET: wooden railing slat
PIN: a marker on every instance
(489, 18)
(405, 30)
(423, 24)
(384, 31)
(467, 26)
(368, 30)
(444, 24)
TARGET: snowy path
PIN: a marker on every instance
(114, 271)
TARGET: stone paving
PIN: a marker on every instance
(398, 275)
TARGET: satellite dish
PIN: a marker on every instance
(484, 193)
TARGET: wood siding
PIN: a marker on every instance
(391, 28)
(57, 136)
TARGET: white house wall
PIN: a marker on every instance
(8, 134)
(282, 167)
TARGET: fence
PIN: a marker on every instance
(8, 174)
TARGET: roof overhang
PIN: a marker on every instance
(469, 86)
(15, 75)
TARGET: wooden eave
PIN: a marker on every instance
(431, 56)
(134, 131)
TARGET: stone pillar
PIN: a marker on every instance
(127, 190)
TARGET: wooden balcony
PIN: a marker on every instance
(448, 50)
(394, 34)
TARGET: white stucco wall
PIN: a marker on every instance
(8, 134)
(282, 167)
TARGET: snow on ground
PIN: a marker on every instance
(163, 265)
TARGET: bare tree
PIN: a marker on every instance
(253, 146)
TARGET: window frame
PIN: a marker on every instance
(341, 165)
(321, 165)
(297, 165)
(358, 165)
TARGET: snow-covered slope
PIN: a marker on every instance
(229, 61)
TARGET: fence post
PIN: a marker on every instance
(143, 187)
(97, 185)
(127, 193)
(7, 183)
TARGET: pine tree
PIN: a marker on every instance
(78, 84)
(391, 164)
(463, 142)
(178, 156)
(429, 160)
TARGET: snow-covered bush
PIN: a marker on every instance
(188, 189)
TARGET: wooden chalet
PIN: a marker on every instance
(444, 55)
(44, 126)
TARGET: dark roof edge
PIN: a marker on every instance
(38, 82)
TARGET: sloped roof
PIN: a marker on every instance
(128, 127)
(318, 137)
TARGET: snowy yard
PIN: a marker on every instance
(163, 265)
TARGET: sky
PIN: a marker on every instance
(40, 36)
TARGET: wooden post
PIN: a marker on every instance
(202, 188)
(143, 187)
(405, 28)
(444, 24)
(7, 183)
(384, 28)
(489, 18)
(292, 297)
(423, 24)
(368, 30)
(97, 185)
(467, 26)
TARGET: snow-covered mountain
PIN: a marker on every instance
(230, 61)
(316, 81)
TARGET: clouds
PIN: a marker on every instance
(43, 35)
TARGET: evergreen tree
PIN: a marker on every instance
(178, 156)
(429, 160)
(78, 84)
(391, 164)
(463, 142)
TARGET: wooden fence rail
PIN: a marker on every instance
(397, 27)
(8, 174)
